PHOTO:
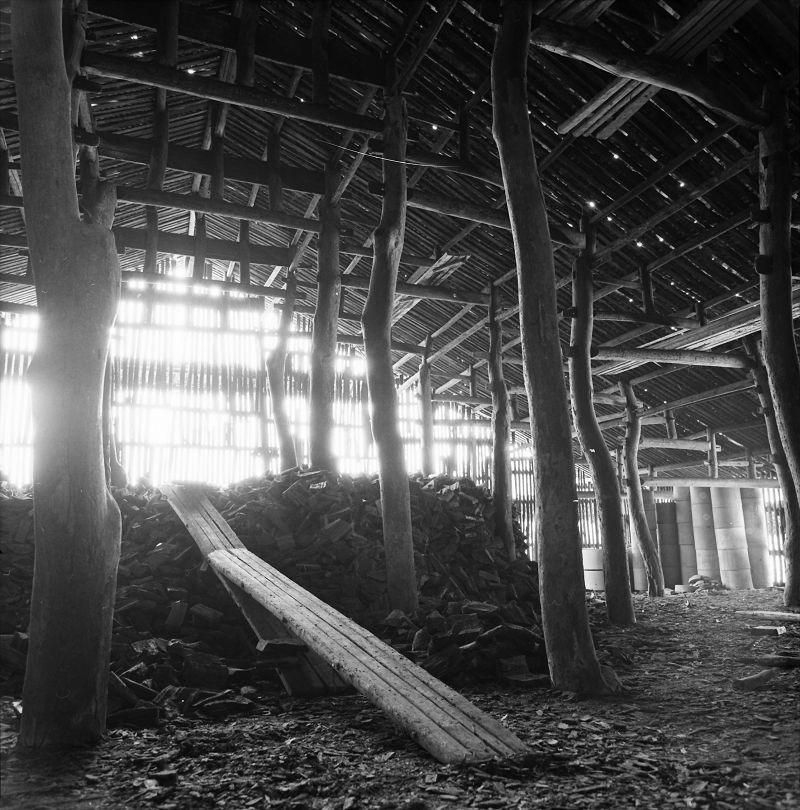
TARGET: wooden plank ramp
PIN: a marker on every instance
(441, 720)
(310, 674)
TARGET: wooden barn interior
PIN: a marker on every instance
(407, 328)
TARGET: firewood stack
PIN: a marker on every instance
(176, 627)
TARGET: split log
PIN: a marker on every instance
(642, 535)
(77, 522)
(501, 432)
(568, 640)
(619, 604)
(376, 323)
(323, 340)
(276, 366)
(779, 347)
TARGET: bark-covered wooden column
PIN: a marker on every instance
(326, 324)
(376, 322)
(641, 530)
(779, 350)
(501, 433)
(619, 604)
(568, 640)
(276, 367)
(77, 522)
(791, 501)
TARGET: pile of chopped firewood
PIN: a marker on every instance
(176, 628)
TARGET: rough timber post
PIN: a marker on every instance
(568, 640)
(619, 604)
(778, 344)
(501, 433)
(642, 534)
(276, 366)
(791, 503)
(376, 322)
(76, 521)
(323, 341)
(426, 403)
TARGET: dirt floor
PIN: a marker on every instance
(684, 736)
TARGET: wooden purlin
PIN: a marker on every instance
(440, 719)
(604, 114)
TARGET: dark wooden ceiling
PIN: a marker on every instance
(668, 181)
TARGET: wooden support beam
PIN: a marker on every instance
(711, 447)
(639, 525)
(779, 349)
(183, 245)
(619, 605)
(244, 252)
(275, 374)
(577, 43)
(571, 656)
(185, 159)
(424, 291)
(654, 482)
(463, 209)
(376, 321)
(683, 357)
(648, 443)
(323, 344)
(153, 75)
(501, 435)
(656, 318)
(283, 46)
(428, 463)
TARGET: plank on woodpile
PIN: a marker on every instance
(440, 719)
(310, 674)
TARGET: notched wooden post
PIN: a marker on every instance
(376, 323)
(641, 531)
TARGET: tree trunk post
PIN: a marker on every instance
(779, 350)
(323, 338)
(570, 651)
(76, 521)
(426, 402)
(619, 603)
(791, 504)
(276, 366)
(501, 433)
(376, 322)
(642, 534)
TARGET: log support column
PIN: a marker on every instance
(642, 535)
(426, 404)
(619, 604)
(779, 347)
(377, 325)
(76, 521)
(568, 641)
(326, 324)
(501, 433)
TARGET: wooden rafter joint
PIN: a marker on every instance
(760, 215)
(763, 265)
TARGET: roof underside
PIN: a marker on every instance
(593, 146)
